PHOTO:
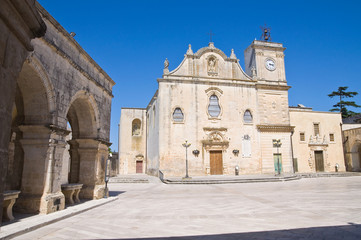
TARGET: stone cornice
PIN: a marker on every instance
(275, 128)
(23, 20)
(74, 64)
(152, 100)
(192, 80)
(267, 45)
(58, 27)
(211, 129)
(272, 87)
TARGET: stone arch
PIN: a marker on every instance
(83, 115)
(33, 105)
(31, 136)
(37, 93)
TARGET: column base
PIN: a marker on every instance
(92, 192)
(44, 204)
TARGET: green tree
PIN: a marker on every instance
(342, 105)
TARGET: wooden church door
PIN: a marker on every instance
(216, 162)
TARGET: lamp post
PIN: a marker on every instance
(277, 143)
(107, 175)
(186, 145)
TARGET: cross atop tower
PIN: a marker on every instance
(210, 35)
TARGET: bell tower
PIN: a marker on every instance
(264, 61)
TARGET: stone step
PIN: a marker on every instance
(124, 180)
(333, 174)
(231, 180)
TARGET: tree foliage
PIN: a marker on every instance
(342, 105)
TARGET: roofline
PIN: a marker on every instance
(62, 30)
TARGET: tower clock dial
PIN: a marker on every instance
(270, 64)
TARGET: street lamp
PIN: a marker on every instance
(186, 145)
(277, 143)
(107, 175)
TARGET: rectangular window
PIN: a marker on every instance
(302, 137)
(332, 137)
(316, 128)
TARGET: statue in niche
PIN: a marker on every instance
(212, 65)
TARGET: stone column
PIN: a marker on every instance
(19, 23)
(92, 156)
(74, 161)
(40, 187)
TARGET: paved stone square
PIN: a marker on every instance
(313, 208)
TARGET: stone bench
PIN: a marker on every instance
(9, 201)
(71, 192)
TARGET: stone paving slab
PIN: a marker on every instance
(31, 223)
(312, 208)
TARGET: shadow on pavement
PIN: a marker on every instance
(115, 193)
(348, 232)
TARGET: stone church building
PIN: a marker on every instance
(233, 119)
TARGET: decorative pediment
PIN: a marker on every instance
(215, 139)
(212, 49)
(208, 62)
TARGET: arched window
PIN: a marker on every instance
(136, 127)
(214, 109)
(247, 117)
(178, 115)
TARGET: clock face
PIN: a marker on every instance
(270, 64)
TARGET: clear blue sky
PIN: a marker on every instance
(131, 39)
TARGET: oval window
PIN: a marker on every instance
(214, 109)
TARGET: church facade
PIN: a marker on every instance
(233, 119)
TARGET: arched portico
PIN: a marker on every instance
(35, 144)
(87, 152)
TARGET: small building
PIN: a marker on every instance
(317, 140)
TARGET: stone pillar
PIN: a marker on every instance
(92, 156)
(41, 187)
(74, 162)
(19, 23)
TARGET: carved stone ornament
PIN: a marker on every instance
(166, 65)
(253, 72)
(212, 65)
(215, 141)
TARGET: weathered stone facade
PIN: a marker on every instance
(58, 86)
(351, 132)
(232, 118)
(19, 24)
